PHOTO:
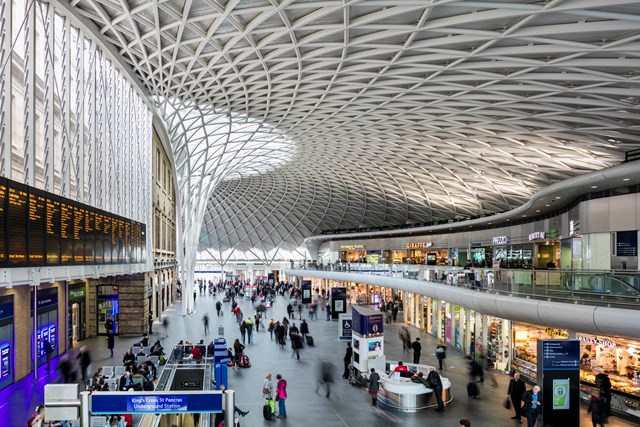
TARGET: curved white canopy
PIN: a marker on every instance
(372, 113)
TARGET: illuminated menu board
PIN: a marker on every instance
(106, 239)
(98, 245)
(66, 233)
(39, 228)
(17, 209)
(52, 230)
(89, 221)
(3, 222)
(78, 234)
(37, 221)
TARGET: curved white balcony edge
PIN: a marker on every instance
(575, 317)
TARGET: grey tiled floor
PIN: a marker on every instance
(348, 406)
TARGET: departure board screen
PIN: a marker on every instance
(66, 233)
(17, 209)
(3, 221)
(143, 244)
(38, 228)
(78, 233)
(52, 230)
(98, 244)
(89, 220)
(106, 239)
(37, 222)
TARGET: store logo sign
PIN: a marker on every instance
(500, 240)
(351, 247)
(596, 341)
(419, 245)
(536, 235)
(574, 228)
(557, 333)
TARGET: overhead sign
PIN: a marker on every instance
(537, 235)
(500, 240)
(561, 354)
(351, 247)
(346, 327)
(419, 245)
(627, 243)
(306, 292)
(105, 403)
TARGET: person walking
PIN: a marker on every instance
(532, 405)
(249, 329)
(218, 307)
(85, 361)
(347, 360)
(109, 325)
(515, 391)
(48, 351)
(281, 396)
(441, 354)
(435, 382)
(325, 378)
(374, 386)
(110, 343)
(150, 322)
(243, 331)
(205, 320)
(165, 326)
(304, 329)
(417, 348)
(597, 410)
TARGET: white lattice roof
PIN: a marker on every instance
(372, 113)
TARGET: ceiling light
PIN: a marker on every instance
(524, 216)
(547, 205)
(626, 179)
(558, 197)
(537, 210)
(594, 186)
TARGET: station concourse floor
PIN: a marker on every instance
(348, 405)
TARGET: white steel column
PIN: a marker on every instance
(6, 37)
(29, 66)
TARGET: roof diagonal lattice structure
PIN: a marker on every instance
(374, 113)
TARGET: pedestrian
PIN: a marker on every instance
(465, 423)
(109, 325)
(441, 354)
(243, 331)
(195, 294)
(218, 307)
(237, 352)
(515, 391)
(65, 367)
(281, 396)
(110, 343)
(150, 321)
(417, 348)
(304, 329)
(249, 324)
(405, 338)
(267, 387)
(347, 360)
(271, 328)
(597, 410)
(85, 361)
(257, 321)
(325, 378)
(374, 386)
(296, 345)
(290, 311)
(395, 312)
(48, 351)
(205, 320)
(532, 405)
(435, 382)
(165, 326)
(328, 310)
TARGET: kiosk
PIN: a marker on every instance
(401, 394)
(368, 341)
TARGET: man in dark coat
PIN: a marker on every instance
(85, 361)
(532, 405)
(347, 360)
(110, 342)
(417, 348)
(515, 391)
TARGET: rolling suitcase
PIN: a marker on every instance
(309, 339)
(472, 390)
(269, 409)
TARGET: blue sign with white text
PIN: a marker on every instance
(561, 354)
(155, 403)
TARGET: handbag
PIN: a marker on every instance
(277, 397)
(507, 403)
(265, 390)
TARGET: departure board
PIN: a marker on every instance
(66, 233)
(89, 221)
(106, 239)
(78, 233)
(39, 228)
(3, 221)
(17, 209)
(98, 244)
(37, 222)
(143, 243)
(52, 230)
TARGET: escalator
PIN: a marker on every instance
(624, 286)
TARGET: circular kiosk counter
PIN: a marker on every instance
(401, 394)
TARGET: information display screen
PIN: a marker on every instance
(3, 221)
(5, 362)
(155, 403)
(39, 228)
(52, 336)
(17, 209)
(37, 222)
(559, 354)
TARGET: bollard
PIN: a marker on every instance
(229, 408)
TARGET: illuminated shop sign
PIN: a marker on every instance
(557, 333)
(537, 235)
(500, 240)
(419, 245)
(597, 341)
(574, 228)
(351, 247)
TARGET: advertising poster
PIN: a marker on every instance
(45, 337)
(5, 366)
(52, 336)
(560, 394)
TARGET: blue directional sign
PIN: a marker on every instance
(561, 354)
(155, 402)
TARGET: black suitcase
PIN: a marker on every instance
(266, 412)
(472, 390)
(309, 339)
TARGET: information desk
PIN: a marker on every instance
(401, 394)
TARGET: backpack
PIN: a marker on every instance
(162, 360)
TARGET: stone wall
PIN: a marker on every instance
(134, 305)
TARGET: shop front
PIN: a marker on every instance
(352, 253)
(525, 346)
(46, 322)
(498, 343)
(619, 359)
(546, 249)
(437, 256)
(108, 305)
(7, 344)
(480, 256)
(509, 255)
(398, 256)
(77, 317)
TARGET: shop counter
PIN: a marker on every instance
(401, 394)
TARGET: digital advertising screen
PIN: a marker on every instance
(44, 334)
(52, 336)
(375, 346)
(17, 209)
(5, 360)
